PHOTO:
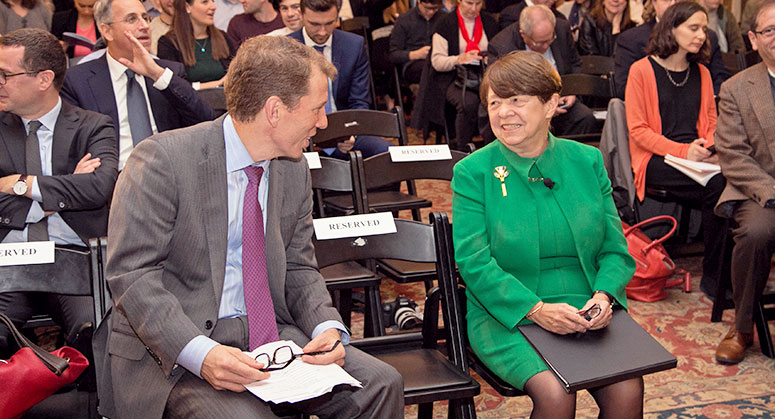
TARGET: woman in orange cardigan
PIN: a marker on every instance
(671, 110)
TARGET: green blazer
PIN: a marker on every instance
(496, 237)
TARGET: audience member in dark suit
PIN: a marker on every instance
(599, 30)
(56, 175)
(194, 41)
(539, 31)
(455, 69)
(80, 21)
(347, 51)
(222, 291)
(744, 139)
(631, 47)
(511, 14)
(106, 86)
(410, 40)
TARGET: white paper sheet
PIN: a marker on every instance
(698, 171)
(299, 381)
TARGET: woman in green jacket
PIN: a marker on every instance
(537, 238)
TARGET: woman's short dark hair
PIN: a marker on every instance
(521, 73)
(663, 43)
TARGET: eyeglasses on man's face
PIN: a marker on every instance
(537, 44)
(283, 356)
(768, 32)
(133, 19)
(5, 76)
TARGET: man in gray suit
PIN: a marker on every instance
(187, 261)
(745, 139)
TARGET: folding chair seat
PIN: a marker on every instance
(428, 374)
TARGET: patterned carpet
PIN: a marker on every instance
(698, 388)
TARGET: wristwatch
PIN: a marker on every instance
(20, 187)
(608, 295)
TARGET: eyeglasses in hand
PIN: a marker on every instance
(591, 312)
(283, 356)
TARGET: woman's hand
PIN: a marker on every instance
(697, 151)
(606, 313)
(469, 57)
(212, 84)
(560, 318)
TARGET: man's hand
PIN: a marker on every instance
(347, 145)
(142, 63)
(324, 342)
(419, 53)
(697, 151)
(560, 318)
(566, 102)
(87, 164)
(228, 368)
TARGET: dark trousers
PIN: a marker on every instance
(714, 231)
(751, 259)
(412, 71)
(71, 311)
(578, 120)
(467, 105)
(368, 145)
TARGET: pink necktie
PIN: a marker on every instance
(262, 326)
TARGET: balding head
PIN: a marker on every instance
(536, 25)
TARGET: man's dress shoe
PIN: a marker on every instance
(731, 350)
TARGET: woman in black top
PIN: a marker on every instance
(606, 20)
(197, 43)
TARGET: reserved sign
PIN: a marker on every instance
(313, 160)
(354, 226)
(26, 253)
(420, 153)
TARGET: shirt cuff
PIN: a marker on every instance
(193, 354)
(35, 192)
(164, 80)
(35, 213)
(332, 324)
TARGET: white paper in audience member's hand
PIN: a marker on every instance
(284, 385)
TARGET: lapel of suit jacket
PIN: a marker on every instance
(762, 101)
(101, 87)
(559, 59)
(337, 56)
(274, 247)
(63, 137)
(14, 136)
(214, 199)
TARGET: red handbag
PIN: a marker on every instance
(654, 269)
(32, 374)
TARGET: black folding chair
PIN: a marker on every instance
(590, 89)
(428, 374)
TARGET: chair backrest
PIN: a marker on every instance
(215, 98)
(343, 124)
(337, 176)
(587, 85)
(413, 241)
(381, 170)
(597, 65)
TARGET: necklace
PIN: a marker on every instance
(681, 84)
(203, 45)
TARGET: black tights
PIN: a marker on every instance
(622, 400)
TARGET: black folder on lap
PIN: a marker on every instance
(618, 352)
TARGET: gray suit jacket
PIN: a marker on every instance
(745, 139)
(167, 255)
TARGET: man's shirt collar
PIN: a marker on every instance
(48, 120)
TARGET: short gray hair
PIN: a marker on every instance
(103, 12)
(526, 19)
